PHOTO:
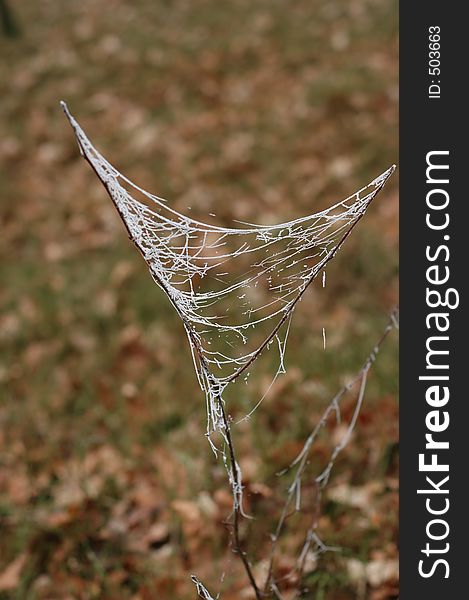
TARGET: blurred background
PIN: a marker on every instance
(261, 112)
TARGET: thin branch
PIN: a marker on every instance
(237, 508)
(201, 589)
(301, 460)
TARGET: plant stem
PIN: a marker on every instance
(236, 506)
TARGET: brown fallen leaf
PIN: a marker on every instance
(10, 577)
(381, 571)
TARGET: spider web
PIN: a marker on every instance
(228, 283)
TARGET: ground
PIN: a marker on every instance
(255, 111)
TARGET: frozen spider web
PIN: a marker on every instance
(227, 284)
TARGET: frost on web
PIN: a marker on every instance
(226, 282)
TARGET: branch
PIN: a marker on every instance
(301, 460)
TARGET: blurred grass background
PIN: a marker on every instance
(254, 111)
